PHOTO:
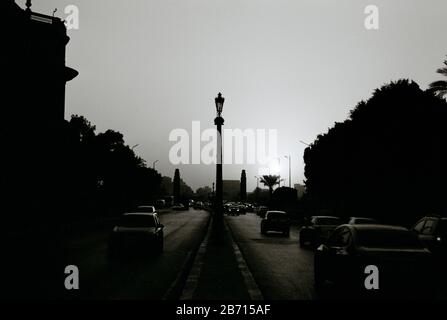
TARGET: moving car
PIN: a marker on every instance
(137, 231)
(362, 220)
(276, 221)
(198, 205)
(318, 230)
(248, 207)
(235, 210)
(432, 231)
(402, 262)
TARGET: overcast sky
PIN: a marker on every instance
(147, 67)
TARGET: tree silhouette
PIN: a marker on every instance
(270, 181)
(440, 87)
(387, 160)
(105, 176)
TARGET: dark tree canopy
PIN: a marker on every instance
(387, 160)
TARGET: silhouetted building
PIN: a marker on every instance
(33, 132)
(34, 70)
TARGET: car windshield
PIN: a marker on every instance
(379, 238)
(137, 221)
(327, 221)
(276, 215)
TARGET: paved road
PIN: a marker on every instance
(280, 267)
(138, 278)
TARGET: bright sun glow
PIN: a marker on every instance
(274, 167)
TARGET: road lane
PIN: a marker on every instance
(137, 277)
(279, 266)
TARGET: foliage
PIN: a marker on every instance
(440, 87)
(386, 160)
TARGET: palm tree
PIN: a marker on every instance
(439, 88)
(270, 181)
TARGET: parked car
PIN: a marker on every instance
(402, 262)
(318, 230)
(137, 231)
(432, 231)
(362, 220)
(276, 221)
(146, 209)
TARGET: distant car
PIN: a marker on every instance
(276, 221)
(432, 231)
(318, 230)
(362, 220)
(178, 207)
(146, 209)
(262, 210)
(401, 260)
(234, 210)
(198, 205)
(137, 231)
(242, 209)
(249, 207)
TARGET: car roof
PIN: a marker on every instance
(276, 211)
(145, 206)
(140, 214)
(374, 227)
(368, 218)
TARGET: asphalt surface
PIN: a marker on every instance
(281, 269)
(136, 277)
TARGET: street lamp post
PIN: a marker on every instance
(290, 178)
(219, 121)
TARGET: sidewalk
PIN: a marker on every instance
(219, 271)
